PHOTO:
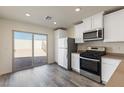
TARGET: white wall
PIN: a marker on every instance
(6, 27)
(117, 47)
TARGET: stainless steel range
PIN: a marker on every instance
(90, 62)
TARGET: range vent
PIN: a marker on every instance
(48, 18)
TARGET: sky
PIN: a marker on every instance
(28, 36)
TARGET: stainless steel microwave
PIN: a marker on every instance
(93, 35)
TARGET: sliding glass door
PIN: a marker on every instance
(40, 49)
(22, 50)
(29, 50)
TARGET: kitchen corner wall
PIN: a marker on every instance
(6, 27)
(111, 47)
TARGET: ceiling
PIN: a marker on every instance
(65, 16)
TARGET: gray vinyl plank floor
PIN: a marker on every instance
(46, 76)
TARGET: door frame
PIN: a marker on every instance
(13, 54)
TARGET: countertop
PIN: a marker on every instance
(117, 79)
(114, 56)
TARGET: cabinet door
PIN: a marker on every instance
(87, 24)
(108, 68)
(72, 61)
(65, 57)
(77, 40)
(79, 33)
(62, 58)
(114, 27)
(62, 34)
(97, 21)
(107, 71)
(75, 62)
(57, 35)
(62, 43)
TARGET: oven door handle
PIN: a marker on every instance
(90, 59)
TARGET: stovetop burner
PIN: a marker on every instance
(94, 54)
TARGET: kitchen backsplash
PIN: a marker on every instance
(110, 47)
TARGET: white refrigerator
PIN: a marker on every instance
(65, 47)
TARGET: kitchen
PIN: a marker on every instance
(83, 49)
(98, 35)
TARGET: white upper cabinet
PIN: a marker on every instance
(87, 24)
(79, 33)
(97, 21)
(57, 35)
(93, 22)
(114, 26)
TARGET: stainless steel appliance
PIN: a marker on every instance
(93, 35)
(66, 47)
(90, 62)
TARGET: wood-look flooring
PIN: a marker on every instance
(46, 76)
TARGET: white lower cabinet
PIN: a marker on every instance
(62, 58)
(75, 62)
(109, 66)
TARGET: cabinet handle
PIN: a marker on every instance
(90, 59)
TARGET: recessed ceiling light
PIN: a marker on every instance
(77, 9)
(27, 14)
(54, 23)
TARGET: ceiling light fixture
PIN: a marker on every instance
(27, 14)
(54, 23)
(77, 9)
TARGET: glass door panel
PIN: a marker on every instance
(40, 49)
(22, 50)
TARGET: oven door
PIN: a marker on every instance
(90, 65)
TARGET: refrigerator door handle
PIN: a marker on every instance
(67, 56)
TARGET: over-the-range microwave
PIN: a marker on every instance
(97, 34)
